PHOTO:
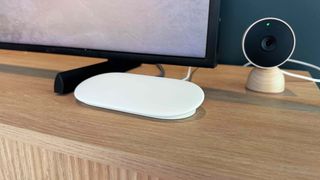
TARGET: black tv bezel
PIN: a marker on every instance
(209, 61)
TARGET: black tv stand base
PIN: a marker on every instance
(67, 81)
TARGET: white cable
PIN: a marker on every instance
(246, 65)
(304, 64)
(188, 76)
(297, 75)
(300, 76)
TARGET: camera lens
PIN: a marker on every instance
(268, 43)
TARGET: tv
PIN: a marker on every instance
(126, 32)
(181, 32)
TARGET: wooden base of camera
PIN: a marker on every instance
(266, 80)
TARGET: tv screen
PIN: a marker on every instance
(164, 31)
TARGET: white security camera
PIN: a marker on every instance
(267, 44)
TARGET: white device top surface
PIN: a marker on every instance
(150, 96)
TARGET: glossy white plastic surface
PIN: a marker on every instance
(155, 97)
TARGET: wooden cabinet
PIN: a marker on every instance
(236, 134)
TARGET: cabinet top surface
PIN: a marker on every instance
(236, 133)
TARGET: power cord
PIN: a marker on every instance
(297, 75)
(247, 65)
(187, 78)
(300, 76)
(190, 74)
(162, 71)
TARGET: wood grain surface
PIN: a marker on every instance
(236, 134)
(27, 162)
(266, 80)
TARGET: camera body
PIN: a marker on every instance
(268, 43)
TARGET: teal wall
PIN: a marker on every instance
(302, 15)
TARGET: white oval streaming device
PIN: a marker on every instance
(154, 97)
